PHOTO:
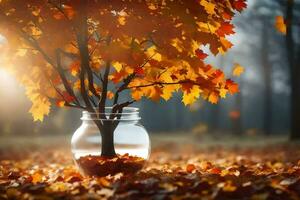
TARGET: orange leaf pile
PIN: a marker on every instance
(270, 172)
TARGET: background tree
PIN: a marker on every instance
(293, 49)
(82, 53)
(289, 25)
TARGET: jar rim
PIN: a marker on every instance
(128, 114)
(128, 110)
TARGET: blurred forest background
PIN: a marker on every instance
(263, 107)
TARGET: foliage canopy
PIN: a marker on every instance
(80, 53)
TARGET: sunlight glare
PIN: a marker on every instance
(8, 85)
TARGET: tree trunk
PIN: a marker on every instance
(107, 137)
(294, 74)
(237, 125)
(216, 109)
(267, 79)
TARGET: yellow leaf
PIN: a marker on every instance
(122, 20)
(280, 24)
(237, 70)
(177, 44)
(151, 52)
(190, 97)
(117, 66)
(168, 91)
(40, 107)
(222, 93)
(209, 7)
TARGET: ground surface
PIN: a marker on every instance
(179, 168)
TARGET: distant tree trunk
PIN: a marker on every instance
(214, 126)
(178, 115)
(267, 74)
(237, 122)
(294, 74)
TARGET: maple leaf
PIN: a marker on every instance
(223, 92)
(237, 70)
(191, 95)
(137, 94)
(239, 5)
(232, 86)
(200, 54)
(280, 24)
(225, 29)
(168, 91)
(40, 107)
(225, 44)
(118, 76)
(118, 66)
(67, 97)
(75, 68)
(139, 71)
(156, 92)
(209, 7)
(110, 94)
(60, 103)
(213, 98)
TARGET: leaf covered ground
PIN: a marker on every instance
(174, 172)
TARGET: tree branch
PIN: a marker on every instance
(82, 41)
(127, 80)
(60, 71)
(104, 91)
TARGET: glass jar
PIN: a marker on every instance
(131, 143)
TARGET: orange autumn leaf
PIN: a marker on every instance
(213, 98)
(75, 68)
(60, 103)
(110, 95)
(234, 114)
(280, 24)
(225, 29)
(232, 86)
(190, 168)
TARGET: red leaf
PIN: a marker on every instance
(200, 54)
(190, 168)
(225, 29)
(139, 71)
(239, 5)
(67, 97)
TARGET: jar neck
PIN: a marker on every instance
(128, 115)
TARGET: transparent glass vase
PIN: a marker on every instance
(130, 139)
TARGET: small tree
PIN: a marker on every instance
(81, 53)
